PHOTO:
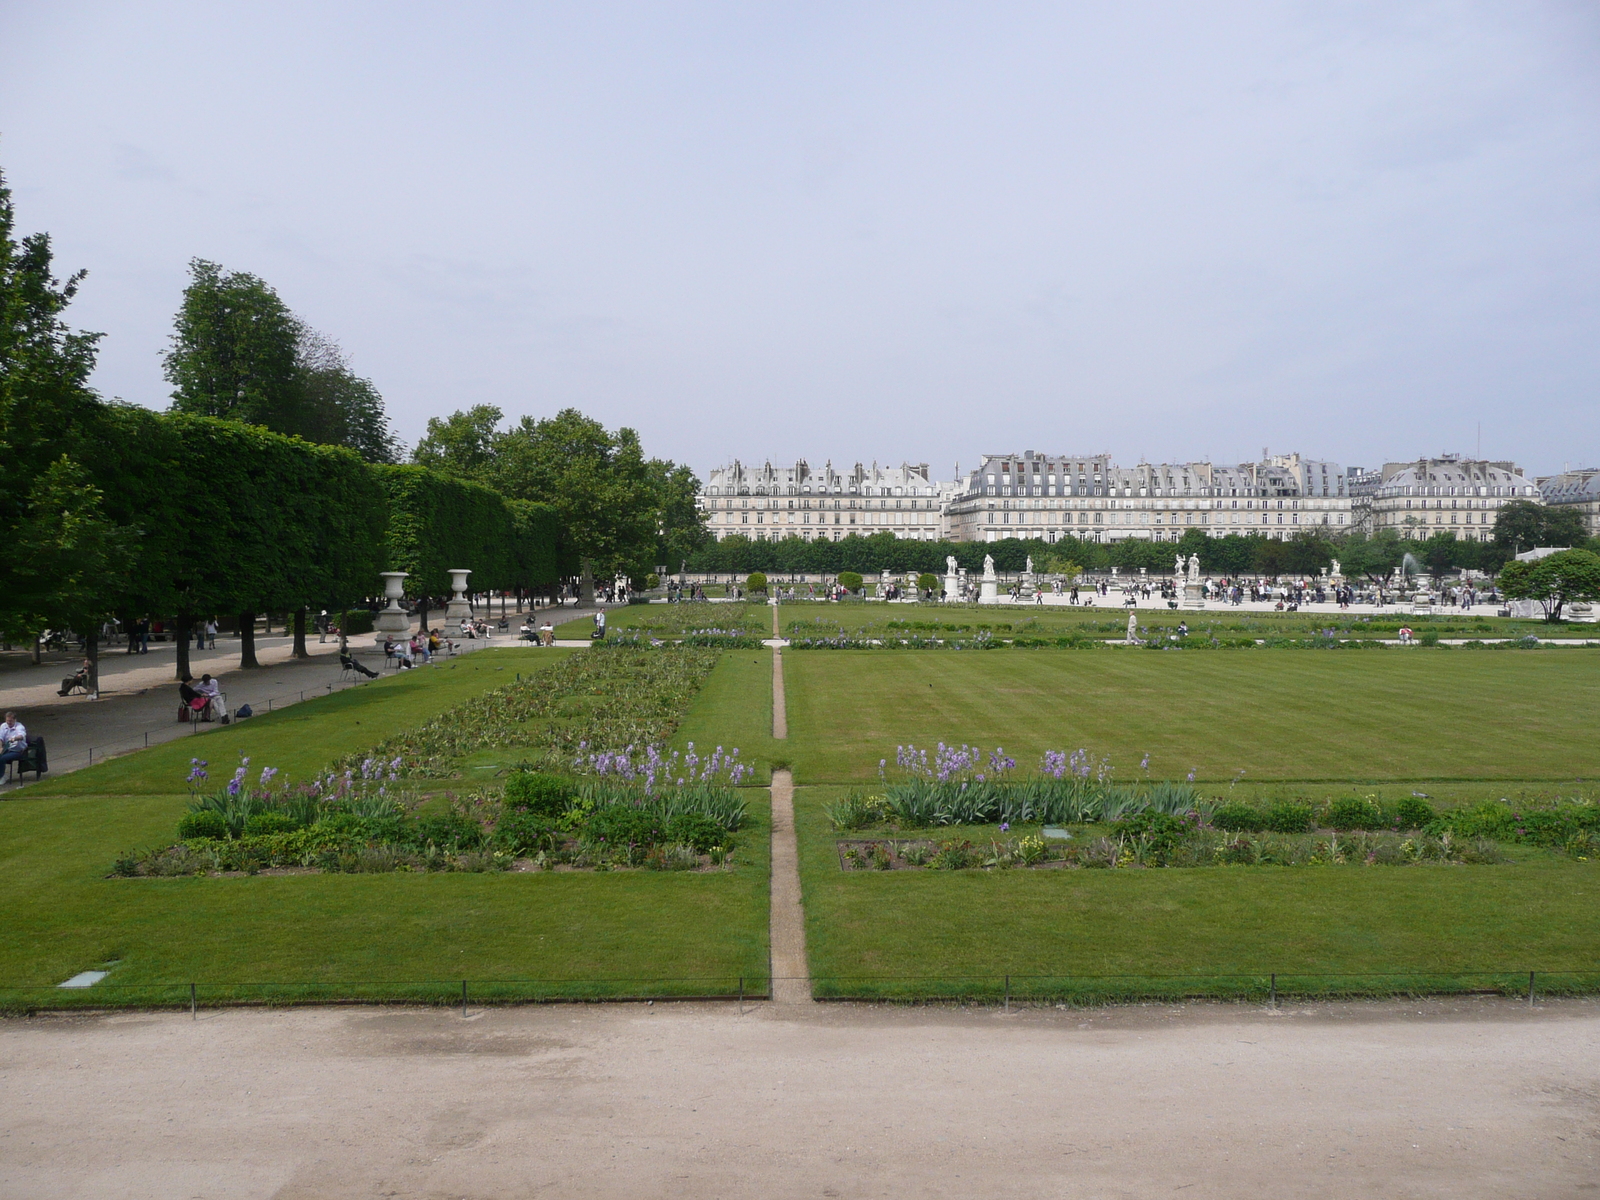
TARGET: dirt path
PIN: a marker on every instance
(1463, 1100)
(791, 975)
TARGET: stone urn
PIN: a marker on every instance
(458, 608)
(393, 619)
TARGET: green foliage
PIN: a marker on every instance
(1554, 581)
(266, 823)
(927, 582)
(850, 581)
(202, 824)
(619, 825)
(538, 793)
(1525, 524)
(652, 582)
(756, 582)
(520, 833)
(1354, 812)
(437, 523)
(1286, 816)
(1413, 812)
(358, 621)
(1238, 818)
(451, 832)
(699, 831)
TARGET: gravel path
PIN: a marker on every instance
(1458, 1099)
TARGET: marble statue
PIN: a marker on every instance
(988, 566)
(1194, 568)
(949, 564)
(1133, 627)
(1178, 570)
(1030, 564)
(1336, 566)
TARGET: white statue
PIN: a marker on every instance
(1133, 627)
(1178, 570)
(1336, 567)
(1030, 564)
(1194, 568)
(988, 566)
(949, 564)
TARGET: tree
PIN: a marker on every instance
(1554, 581)
(235, 351)
(1525, 524)
(338, 407)
(462, 444)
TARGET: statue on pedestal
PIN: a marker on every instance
(949, 564)
(1194, 568)
(1030, 564)
(1133, 628)
(988, 566)
(1178, 570)
(1335, 569)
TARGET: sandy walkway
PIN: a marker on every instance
(1464, 1099)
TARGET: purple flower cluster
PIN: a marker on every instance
(654, 769)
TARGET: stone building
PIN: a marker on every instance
(1418, 499)
(1087, 496)
(1579, 489)
(768, 503)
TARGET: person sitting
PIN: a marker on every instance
(433, 642)
(73, 682)
(547, 633)
(526, 633)
(13, 742)
(211, 707)
(190, 701)
(349, 663)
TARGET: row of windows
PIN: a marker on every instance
(872, 518)
(1125, 517)
(1413, 490)
(805, 490)
(1282, 505)
(1082, 490)
(928, 505)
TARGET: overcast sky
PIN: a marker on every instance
(913, 231)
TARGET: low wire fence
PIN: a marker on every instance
(1071, 990)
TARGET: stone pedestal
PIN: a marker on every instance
(393, 618)
(989, 591)
(952, 587)
(458, 608)
(1193, 596)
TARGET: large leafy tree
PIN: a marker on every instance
(239, 353)
(1524, 524)
(63, 562)
(1554, 581)
(617, 510)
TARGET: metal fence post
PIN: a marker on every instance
(741, 984)
(1273, 986)
(1008, 993)
(191, 1003)
(1530, 989)
(463, 998)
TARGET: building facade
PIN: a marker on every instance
(768, 503)
(1578, 489)
(1431, 495)
(1087, 496)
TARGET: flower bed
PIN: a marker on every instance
(663, 812)
(604, 699)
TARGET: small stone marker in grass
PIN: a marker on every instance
(83, 979)
(1056, 833)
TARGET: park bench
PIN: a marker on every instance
(33, 759)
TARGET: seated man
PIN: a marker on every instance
(349, 663)
(13, 742)
(80, 680)
(211, 697)
(547, 633)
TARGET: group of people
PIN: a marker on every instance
(423, 644)
(203, 700)
(544, 635)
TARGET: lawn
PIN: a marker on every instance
(1284, 715)
(910, 933)
(338, 935)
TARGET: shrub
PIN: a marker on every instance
(620, 825)
(1413, 813)
(652, 581)
(928, 582)
(526, 833)
(757, 582)
(538, 793)
(1158, 832)
(1354, 812)
(206, 824)
(266, 823)
(1287, 817)
(697, 830)
(850, 581)
(448, 831)
(1239, 818)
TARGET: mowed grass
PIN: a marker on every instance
(1312, 715)
(328, 936)
(734, 711)
(931, 932)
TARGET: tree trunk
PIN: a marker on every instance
(300, 650)
(247, 642)
(422, 613)
(586, 584)
(92, 653)
(184, 624)
(127, 631)
(266, 624)
(38, 650)
(344, 638)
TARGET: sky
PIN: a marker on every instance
(860, 232)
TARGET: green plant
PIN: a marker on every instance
(538, 793)
(1353, 812)
(1413, 813)
(652, 581)
(268, 823)
(756, 582)
(698, 831)
(519, 832)
(1239, 818)
(1285, 816)
(203, 824)
(447, 831)
(951, 856)
(850, 581)
(620, 826)
(927, 582)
